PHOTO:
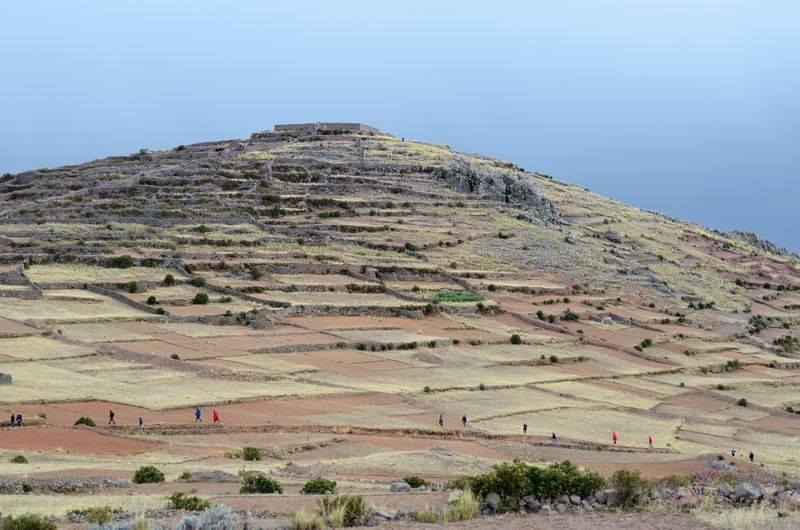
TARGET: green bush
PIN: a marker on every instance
(29, 521)
(148, 475)
(86, 420)
(98, 515)
(554, 359)
(569, 315)
(19, 459)
(255, 272)
(318, 486)
(630, 487)
(151, 300)
(133, 287)
(200, 299)
(169, 280)
(416, 481)
(516, 339)
(514, 480)
(345, 510)
(742, 402)
(198, 281)
(120, 262)
(260, 484)
(180, 500)
(454, 297)
(251, 453)
(160, 311)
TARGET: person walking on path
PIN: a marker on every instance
(111, 418)
(614, 437)
(733, 452)
(216, 416)
(752, 456)
(524, 428)
(197, 415)
(553, 439)
(441, 421)
(19, 420)
(464, 420)
(141, 424)
(13, 420)
(650, 441)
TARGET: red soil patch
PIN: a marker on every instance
(702, 402)
(76, 440)
(9, 327)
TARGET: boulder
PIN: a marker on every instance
(683, 492)
(575, 499)
(382, 515)
(590, 499)
(492, 500)
(399, 487)
(601, 497)
(749, 491)
(571, 239)
(613, 236)
(564, 499)
(561, 508)
(793, 501)
(546, 508)
(689, 501)
(725, 490)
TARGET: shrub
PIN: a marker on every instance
(416, 481)
(255, 273)
(151, 300)
(86, 420)
(463, 507)
(160, 311)
(29, 521)
(27, 488)
(318, 486)
(306, 521)
(133, 287)
(516, 339)
(202, 229)
(180, 500)
(186, 475)
(169, 280)
(630, 487)
(675, 481)
(260, 484)
(742, 402)
(198, 281)
(514, 480)
(99, 515)
(175, 357)
(428, 309)
(428, 390)
(251, 453)
(120, 262)
(19, 459)
(148, 475)
(200, 299)
(569, 315)
(457, 297)
(554, 359)
(410, 246)
(344, 510)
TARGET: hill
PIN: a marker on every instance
(332, 291)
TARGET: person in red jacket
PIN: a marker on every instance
(650, 441)
(614, 437)
(216, 417)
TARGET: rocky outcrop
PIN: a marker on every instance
(760, 243)
(505, 185)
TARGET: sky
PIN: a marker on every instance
(688, 107)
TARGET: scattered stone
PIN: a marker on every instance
(749, 491)
(571, 239)
(561, 508)
(492, 500)
(613, 236)
(399, 487)
(725, 489)
(683, 492)
(688, 501)
(575, 499)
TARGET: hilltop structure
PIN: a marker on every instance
(317, 127)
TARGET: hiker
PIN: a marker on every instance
(197, 415)
(13, 420)
(650, 441)
(524, 428)
(19, 420)
(733, 452)
(752, 456)
(111, 418)
(441, 421)
(553, 439)
(464, 420)
(141, 424)
(216, 416)
(614, 437)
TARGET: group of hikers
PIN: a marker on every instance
(554, 439)
(197, 417)
(16, 420)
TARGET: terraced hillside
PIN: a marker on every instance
(330, 295)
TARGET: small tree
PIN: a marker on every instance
(516, 339)
(255, 272)
(169, 280)
(198, 281)
(133, 287)
(260, 484)
(180, 500)
(318, 486)
(200, 299)
(631, 488)
(151, 300)
(19, 459)
(148, 475)
(251, 453)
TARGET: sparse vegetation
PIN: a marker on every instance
(148, 475)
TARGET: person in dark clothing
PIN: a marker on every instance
(141, 424)
(19, 420)
(13, 420)
(441, 421)
(733, 452)
(464, 420)
(553, 439)
(524, 428)
(111, 418)
(752, 456)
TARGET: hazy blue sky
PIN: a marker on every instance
(687, 107)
